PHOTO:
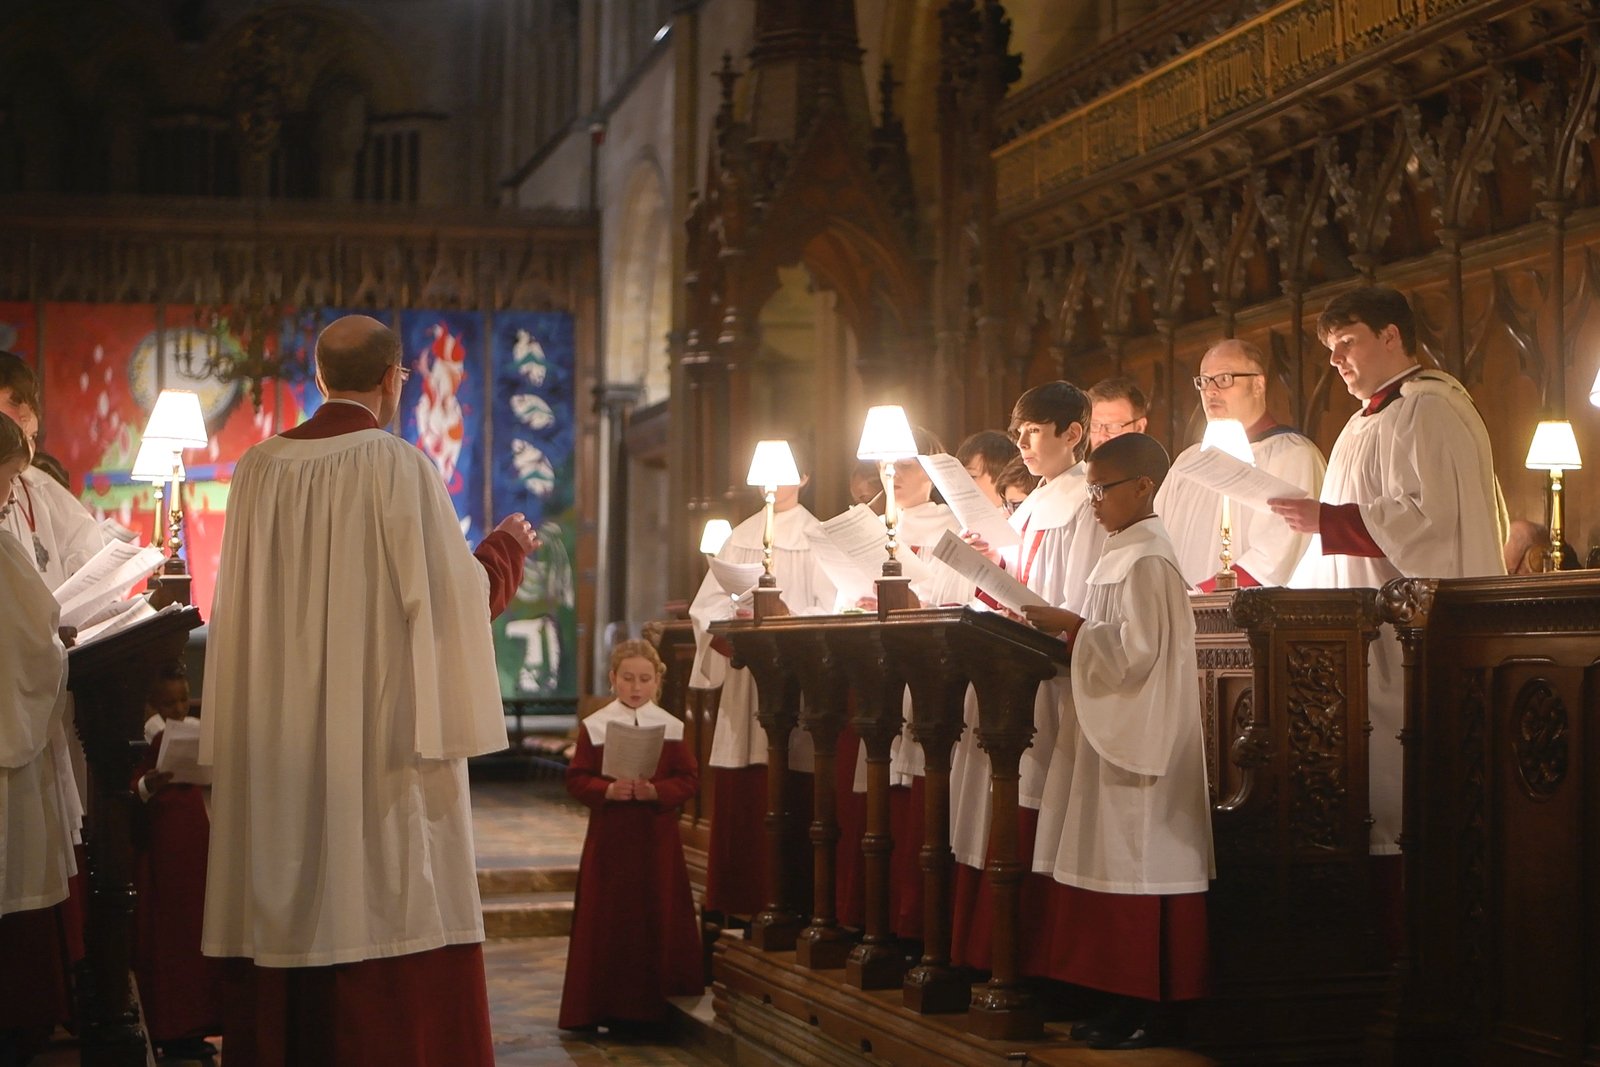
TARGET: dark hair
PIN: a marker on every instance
(1016, 473)
(13, 442)
(928, 443)
(18, 377)
(358, 367)
(1058, 404)
(1121, 389)
(1134, 455)
(992, 446)
(1374, 306)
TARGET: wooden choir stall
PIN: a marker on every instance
(109, 680)
(1501, 831)
(1298, 972)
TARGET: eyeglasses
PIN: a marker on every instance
(405, 373)
(1011, 506)
(1097, 490)
(1223, 380)
(1110, 428)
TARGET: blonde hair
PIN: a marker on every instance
(637, 649)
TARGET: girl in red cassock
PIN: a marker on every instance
(635, 941)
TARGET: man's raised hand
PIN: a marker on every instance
(521, 530)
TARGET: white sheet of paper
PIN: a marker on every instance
(969, 563)
(1236, 479)
(122, 614)
(850, 577)
(972, 509)
(631, 751)
(180, 753)
(861, 534)
(106, 577)
(736, 579)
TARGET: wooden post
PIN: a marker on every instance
(822, 945)
(938, 694)
(109, 680)
(875, 963)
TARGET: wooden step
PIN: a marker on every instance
(502, 881)
(528, 914)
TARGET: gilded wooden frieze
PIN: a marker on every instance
(1300, 42)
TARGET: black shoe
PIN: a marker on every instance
(1146, 1036)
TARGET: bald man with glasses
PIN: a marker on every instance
(1232, 384)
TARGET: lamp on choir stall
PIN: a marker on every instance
(885, 438)
(1228, 435)
(771, 466)
(1594, 390)
(714, 536)
(176, 423)
(1554, 449)
(157, 463)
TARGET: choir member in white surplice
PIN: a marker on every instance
(1233, 385)
(735, 878)
(349, 674)
(1060, 544)
(1410, 491)
(1125, 826)
(38, 795)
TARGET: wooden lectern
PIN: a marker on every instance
(110, 679)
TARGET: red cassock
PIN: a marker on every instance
(635, 941)
(177, 985)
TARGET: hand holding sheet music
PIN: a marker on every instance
(631, 751)
(969, 563)
(180, 752)
(103, 581)
(1235, 479)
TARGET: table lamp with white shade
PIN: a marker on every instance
(1594, 391)
(885, 438)
(1554, 449)
(1227, 435)
(715, 535)
(772, 465)
(176, 423)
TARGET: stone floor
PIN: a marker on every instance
(521, 824)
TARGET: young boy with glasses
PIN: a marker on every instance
(1125, 826)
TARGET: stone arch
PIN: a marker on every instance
(639, 300)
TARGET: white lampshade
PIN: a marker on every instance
(1554, 448)
(773, 464)
(714, 536)
(1228, 436)
(177, 418)
(157, 461)
(886, 435)
(1594, 391)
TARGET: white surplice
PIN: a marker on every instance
(37, 792)
(1422, 475)
(739, 740)
(1126, 808)
(349, 673)
(68, 535)
(1061, 543)
(1263, 544)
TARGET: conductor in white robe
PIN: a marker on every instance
(1233, 385)
(349, 674)
(1410, 491)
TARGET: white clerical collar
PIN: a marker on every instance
(354, 404)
